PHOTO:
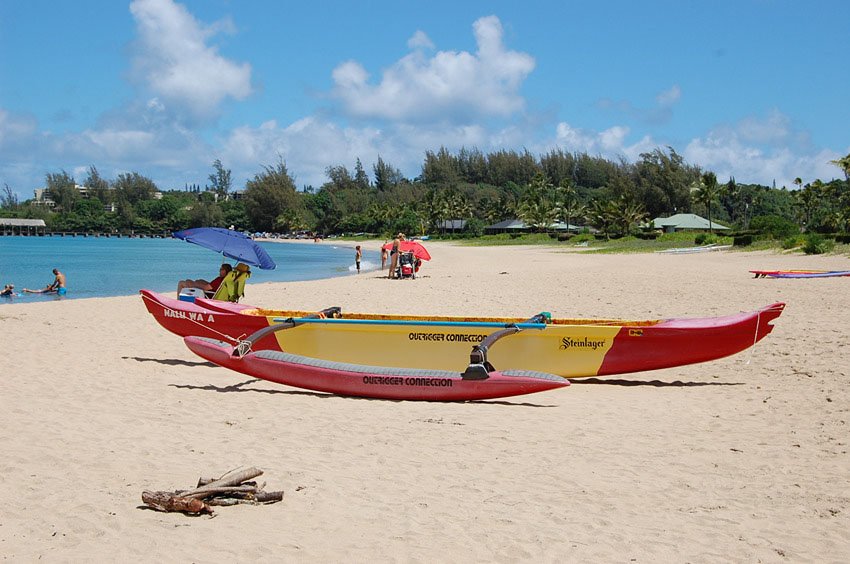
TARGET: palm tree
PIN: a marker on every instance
(628, 213)
(807, 202)
(844, 164)
(707, 192)
(537, 213)
(566, 200)
(536, 208)
(602, 215)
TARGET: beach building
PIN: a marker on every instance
(15, 226)
(686, 222)
(518, 226)
(451, 225)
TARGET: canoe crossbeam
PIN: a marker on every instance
(479, 367)
(244, 346)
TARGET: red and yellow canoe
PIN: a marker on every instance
(571, 348)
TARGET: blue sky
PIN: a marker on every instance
(755, 89)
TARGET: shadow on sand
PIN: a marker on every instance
(170, 361)
(654, 383)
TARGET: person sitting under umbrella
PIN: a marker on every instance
(233, 286)
(210, 287)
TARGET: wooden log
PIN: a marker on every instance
(207, 491)
(166, 501)
(268, 497)
(230, 479)
(223, 501)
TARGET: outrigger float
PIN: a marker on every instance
(799, 273)
(270, 344)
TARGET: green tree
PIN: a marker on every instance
(844, 164)
(235, 214)
(98, 186)
(625, 213)
(603, 215)
(707, 191)
(386, 175)
(8, 200)
(537, 210)
(807, 201)
(360, 177)
(62, 189)
(220, 180)
(134, 188)
(663, 180)
(268, 195)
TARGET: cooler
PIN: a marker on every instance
(189, 294)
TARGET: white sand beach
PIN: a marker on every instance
(744, 459)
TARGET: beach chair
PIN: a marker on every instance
(233, 286)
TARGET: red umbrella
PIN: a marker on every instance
(414, 247)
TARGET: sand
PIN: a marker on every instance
(744, 459)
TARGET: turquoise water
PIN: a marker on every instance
(100, 266)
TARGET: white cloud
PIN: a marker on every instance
(773, 130)
(661, 113)
(14, 128)
(761, 150)
(174, 60)
(669, 97)
(610, 143)
(730, 156)
(452, 86)
(420, 40)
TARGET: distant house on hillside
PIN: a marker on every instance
(517, 226)
(686, 221)
(507, 226)
(451, 225)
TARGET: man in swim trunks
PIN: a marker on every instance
(55, 287)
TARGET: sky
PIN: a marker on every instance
(758, 90)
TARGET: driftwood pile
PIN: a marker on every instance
(233, 488)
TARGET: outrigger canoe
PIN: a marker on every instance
(799, 273)
(374, 381)
(570, 348)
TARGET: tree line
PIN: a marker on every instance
(578, 189)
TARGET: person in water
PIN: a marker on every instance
(8, 290)
(210, 287)
(56, 287)
(358, 254)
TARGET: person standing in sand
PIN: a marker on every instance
(56, 287)
(394, 254)
(384, 253)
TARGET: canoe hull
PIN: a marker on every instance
(372, 381)
(568, 348)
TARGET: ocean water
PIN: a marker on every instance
(101, 266)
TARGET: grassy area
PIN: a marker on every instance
(590, 244)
